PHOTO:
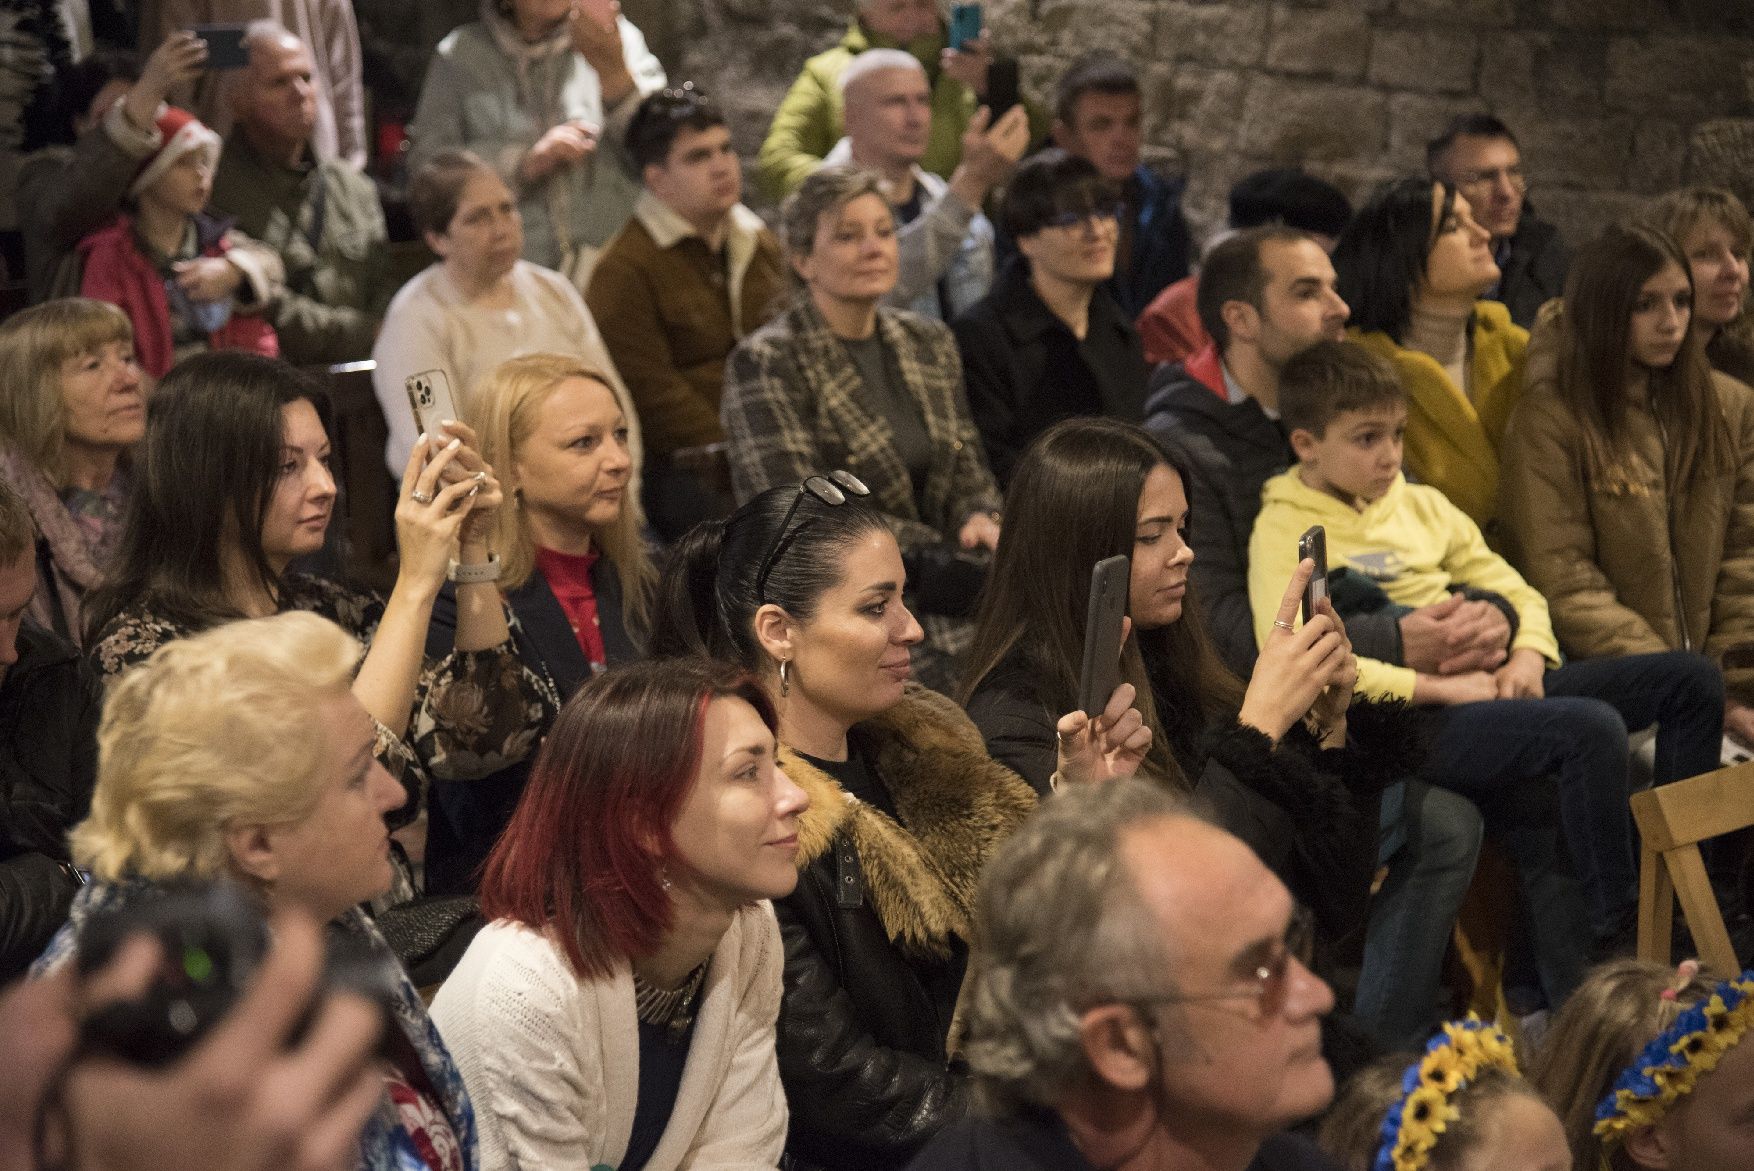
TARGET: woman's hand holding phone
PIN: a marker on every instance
(1329, 709)
(430, 513)
(1112, 745)
(483, 502)
(1297, 663)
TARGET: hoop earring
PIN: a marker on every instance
(785, 678)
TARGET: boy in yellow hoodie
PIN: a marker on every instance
(1346, 413)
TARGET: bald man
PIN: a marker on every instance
(321, 215)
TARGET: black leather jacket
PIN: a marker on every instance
(49, 704)
(862, 1033)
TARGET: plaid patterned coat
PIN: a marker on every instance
(793, 407)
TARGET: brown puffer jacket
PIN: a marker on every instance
(1625, 567)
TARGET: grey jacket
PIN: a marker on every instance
(490, 93)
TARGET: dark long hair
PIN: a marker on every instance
(585, 849)
(206, 474)
(1074, 500)
(706, 596)
(1595, 358)
(1381, 256)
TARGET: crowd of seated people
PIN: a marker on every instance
(721, 766)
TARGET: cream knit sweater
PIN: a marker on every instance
(552, 1062)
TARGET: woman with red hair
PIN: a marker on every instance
(619, 1009)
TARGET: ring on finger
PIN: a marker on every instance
(421, 497)
(1282, 624)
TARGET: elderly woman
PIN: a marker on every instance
(544, 89)
(75, 403)
(630, 934)
(480, 304)
(244, 754)
(577, 579)
(235, 485)
(838, 380)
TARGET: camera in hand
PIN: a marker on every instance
(212, 939)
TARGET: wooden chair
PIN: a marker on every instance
(1672, 820)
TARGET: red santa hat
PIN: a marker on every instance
(181, 132)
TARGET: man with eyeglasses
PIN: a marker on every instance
(1139, 1000)
(688, 277)
(1049, 342)
(1478, 154)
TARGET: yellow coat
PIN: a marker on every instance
(1452, 437)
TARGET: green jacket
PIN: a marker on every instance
(335, 248)
(808, 122)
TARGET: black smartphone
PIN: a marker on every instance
(1314, 545)
(1002, 91)
(965, 24)
(1109, 581)
(225, 45)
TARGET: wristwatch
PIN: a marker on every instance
(475, 574)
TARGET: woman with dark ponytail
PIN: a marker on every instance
(803, 586)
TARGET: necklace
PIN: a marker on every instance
(671, 1008)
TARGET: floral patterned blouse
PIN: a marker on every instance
(475, 712)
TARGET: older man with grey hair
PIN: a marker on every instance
(1139, 999)
(320, 215)
(945, 243)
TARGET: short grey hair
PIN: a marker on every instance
(270, 32)
(1060, 928)
(824, 190)
(876, 61)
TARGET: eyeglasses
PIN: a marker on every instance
(832, 489)
(1512, 175)
(1269, 984)
(1105, 213)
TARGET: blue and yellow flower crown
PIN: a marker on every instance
(1458, 1054)
(1669, 1066)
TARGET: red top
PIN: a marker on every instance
(569, 576)
(1170, 328)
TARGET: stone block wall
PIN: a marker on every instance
(1613, 99)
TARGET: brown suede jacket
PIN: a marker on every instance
(1626, 565)
(671, 310)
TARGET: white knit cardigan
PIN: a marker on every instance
(552, 1062)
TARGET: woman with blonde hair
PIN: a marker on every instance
(75, 402)
(242, 754)
(1716, 235)
(839, 380)
(575, 577)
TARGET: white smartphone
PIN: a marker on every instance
(429, 394)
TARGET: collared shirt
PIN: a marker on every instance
(1236, 395)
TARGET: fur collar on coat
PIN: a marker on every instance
(956, 805)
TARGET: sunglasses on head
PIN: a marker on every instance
(832, 489)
